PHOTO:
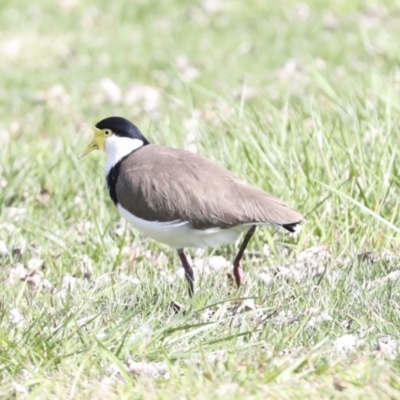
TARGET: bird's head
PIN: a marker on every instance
(115, 134)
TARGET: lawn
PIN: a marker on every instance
(300, 99)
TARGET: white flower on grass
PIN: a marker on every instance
(3, 249)
(16, 317)
(212, 6)
(11, 47)
(289, 70)
(144, 95)
(157, 370)
(192, 126)
(15, 213)
(37, 281)
(54, 97)
(187, 70)
(347, 344)
(86, 266)
(17, 272)
(209, 265)
(244, 92)
(20, 390)
(388, 346)
(266, 276)
(35, 264)
(68, 4)
(111, 91)
(20, 247)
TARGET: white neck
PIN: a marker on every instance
(117, 147)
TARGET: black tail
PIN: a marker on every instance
(294, 227)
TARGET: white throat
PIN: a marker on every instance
(117, 147)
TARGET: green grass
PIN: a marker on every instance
(299, 99)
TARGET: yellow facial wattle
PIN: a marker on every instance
(96, 144)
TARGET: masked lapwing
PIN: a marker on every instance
(182, 199)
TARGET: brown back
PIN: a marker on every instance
(163, 184)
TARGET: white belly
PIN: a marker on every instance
(180, 234)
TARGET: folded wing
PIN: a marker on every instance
(164, 184)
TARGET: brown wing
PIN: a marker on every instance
(164, 184)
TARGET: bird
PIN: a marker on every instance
(182, 199)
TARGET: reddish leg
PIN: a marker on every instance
(189, 275)
(237, 267)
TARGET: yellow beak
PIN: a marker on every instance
(96, 144)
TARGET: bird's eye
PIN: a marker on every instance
(107, 132)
